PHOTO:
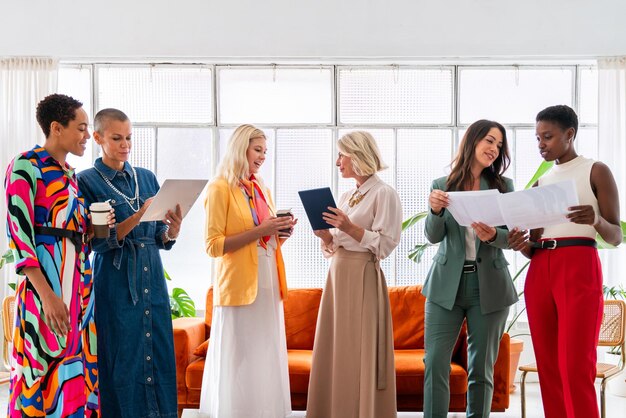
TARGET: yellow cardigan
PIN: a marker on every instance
(228, 213)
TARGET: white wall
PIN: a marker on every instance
(312, 28)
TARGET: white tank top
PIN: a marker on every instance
(578, 169)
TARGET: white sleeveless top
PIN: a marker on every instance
(578, 169)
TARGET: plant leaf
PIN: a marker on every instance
(543, 168)
(413, 220)
(181, 304)
(7, 258)
(167, 276)
(417, 252)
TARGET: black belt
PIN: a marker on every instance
(551, 244)
(469, 268)
(77, 238)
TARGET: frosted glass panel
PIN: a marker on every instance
(588, 102)
(303, 161)
(161, 93)
(392, 95)
(423, 155)
(527, 157)
(143, 151)
(186, 153)
(511, 95)
(275, 96)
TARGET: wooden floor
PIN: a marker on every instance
(615, 407)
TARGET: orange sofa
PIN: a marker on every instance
(407, 309)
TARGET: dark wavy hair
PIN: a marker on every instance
(56, 108)
(562, 115)
(461, 174)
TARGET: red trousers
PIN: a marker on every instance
(563, 294)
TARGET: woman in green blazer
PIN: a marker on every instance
(469, 279)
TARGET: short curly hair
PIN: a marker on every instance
(56, 108)
(562, 115)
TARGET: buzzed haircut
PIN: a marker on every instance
(56, 108)
(562, 115)
(104, 116)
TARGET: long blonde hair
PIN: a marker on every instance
(234, 165)
(361, 147)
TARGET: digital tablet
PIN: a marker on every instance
(315, 202)
(174, 191)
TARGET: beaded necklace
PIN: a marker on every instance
(129, 200)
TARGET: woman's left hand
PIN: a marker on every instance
(583, 214)
(173, 219)
(338, 219)
(484, 232)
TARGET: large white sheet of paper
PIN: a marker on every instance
(539, 207)
(476, 206)
(172, 192)
(536, 207)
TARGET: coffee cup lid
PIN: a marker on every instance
(100, 206)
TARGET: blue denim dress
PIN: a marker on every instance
(137, 370)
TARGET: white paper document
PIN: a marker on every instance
(536, 207)
(171, 193)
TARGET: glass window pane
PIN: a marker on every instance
(275, 95)
(75, 81)
(423, 155)
(527, 157)
(588, 102)
(303, 161)
(587, 142)
(165, 94)
(186, 153)
(511, 95)
(396, 95)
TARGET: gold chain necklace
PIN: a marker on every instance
(356, 198)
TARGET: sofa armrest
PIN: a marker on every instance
(189, 333)
(501, 371)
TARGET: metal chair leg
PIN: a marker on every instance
(523, 393)
(602, 408)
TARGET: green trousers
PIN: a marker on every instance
(484, 332)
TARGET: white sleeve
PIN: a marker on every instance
(384, 235)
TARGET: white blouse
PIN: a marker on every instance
(379, 213)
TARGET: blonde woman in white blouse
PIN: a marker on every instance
(353, 371)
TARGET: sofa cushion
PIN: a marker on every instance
(193, 376)
(301, 317)
(202, 349)
(410, 374)
(407, 314)
(299, 370)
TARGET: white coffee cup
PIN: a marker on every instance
(99, 218)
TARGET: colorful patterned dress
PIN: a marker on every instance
(51, 376)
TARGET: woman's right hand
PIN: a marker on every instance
(518, 239)
(324, 234)
(438, 200)
(56, 313)
(145, 207)
(271, 226)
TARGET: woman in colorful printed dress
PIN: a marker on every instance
(246, 372)
(136, 357)
(53, 362)
(353, 373)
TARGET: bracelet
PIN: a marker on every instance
(166, 234)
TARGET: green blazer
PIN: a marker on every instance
(494, 280)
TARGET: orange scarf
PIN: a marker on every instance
(258, 205)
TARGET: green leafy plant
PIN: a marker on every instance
(181, 304)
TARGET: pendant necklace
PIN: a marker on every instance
(131, 201)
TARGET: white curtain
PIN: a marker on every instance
(612, 150)
(23, 83)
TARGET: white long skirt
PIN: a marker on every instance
(246, 372)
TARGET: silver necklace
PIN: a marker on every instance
(131, 201)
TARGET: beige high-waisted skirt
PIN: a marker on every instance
(353, 374)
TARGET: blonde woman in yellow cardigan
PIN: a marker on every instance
(246, 373)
